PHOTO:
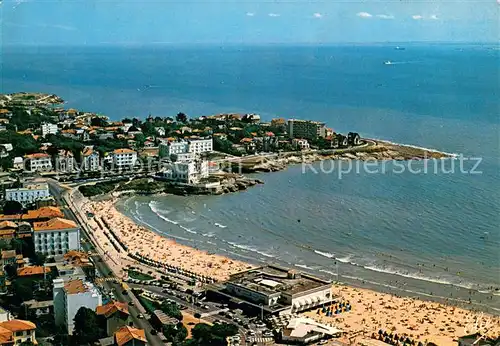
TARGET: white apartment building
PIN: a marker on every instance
(56, 236)
(69, 297)
(187, 172)
(38, 162)
(193, 146)
(49, 129)
(28, 194)
(90, 159)
(173, 148)
(124, 158)
(198, 146)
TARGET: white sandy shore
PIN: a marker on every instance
(420, 320)
(371, 311)
(149, 244)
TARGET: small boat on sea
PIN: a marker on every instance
(388, 62)
(399, 48)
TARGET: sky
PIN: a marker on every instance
(95, 22)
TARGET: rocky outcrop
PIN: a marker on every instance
(376, 151)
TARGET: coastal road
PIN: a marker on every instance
(191, 308)
(102, 267)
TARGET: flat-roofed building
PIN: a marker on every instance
(49, 129)
(308, 129)
(69, 297)
(28, 194)
(56, 236)
(278, 290)
(192, 146)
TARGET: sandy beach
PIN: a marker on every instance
(420, 320)
(149, 244)
(371, 311)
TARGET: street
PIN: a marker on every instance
(101, 266)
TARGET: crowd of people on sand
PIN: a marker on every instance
(395, 339)
(160, 251)
(409, 317)
(335, 309)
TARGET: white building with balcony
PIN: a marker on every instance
(198, 146)
(124, 158)
(186, 172)
(56, 236)
(193, 146)
(38, 162)
(49, 129)
(69, 297)
(173, 148)
(28, 194)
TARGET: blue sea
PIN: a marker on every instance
(433, 234)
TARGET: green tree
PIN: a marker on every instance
(38, 259)
(22, 291)
(12, 208)
(171, 310)
(181, 117)
(26, 343)
(202, 333)
(87, 329)
(98, 121)
(224, 330)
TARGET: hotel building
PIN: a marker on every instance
(28, 194)
(305, 129)
(124, 158)
(193, 146)
(56, 236)
(49, 129)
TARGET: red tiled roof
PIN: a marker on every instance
(126, 334)
(112, 307)
(18, 325)
(54, 224)
(36, 156)
(123, 151)
(28, 271)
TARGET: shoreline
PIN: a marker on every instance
(376, 150)
(387, 282)
(373, 310)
